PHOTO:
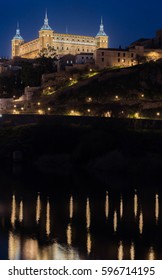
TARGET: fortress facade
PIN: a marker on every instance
(62, 43)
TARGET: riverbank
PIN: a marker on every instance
(64, 148)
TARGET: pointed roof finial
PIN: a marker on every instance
(46, 25)
(101, 31)
(18, 36)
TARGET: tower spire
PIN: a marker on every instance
(46, 25)
(46, 18)
(101, 31)
(18, 35)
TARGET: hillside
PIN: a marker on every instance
(120, 92)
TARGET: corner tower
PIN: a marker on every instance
(46, 34)
(102, 39)
(17, 41)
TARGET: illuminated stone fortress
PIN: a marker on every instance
(62, 43)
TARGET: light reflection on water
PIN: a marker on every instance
(110, 225)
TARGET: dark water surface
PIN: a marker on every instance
(106, 223)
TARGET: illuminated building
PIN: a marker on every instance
(62, 43)
(140, 51)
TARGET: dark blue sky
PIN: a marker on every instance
(124, 21)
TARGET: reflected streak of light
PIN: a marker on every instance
(89, 243)
(157, 208)
(31, 249)
(88, 214)
(135, 205)
(21, 212)
(132, 252)
(121, 207)
(120, 251)
(151, 254)
(48, 225)
(107, 206)
(13, 246)
(141, 222)
(115, 221)
(38, 209)
(69, 235)
(71, 207)
(13, 211)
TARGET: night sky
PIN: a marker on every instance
(124, 21)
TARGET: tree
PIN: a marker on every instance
(48, 52)
(46, 59)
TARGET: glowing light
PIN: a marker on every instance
(157, 207)
(40, 112)
(15, 106)
(137, 115)
(74, 113)
(151, 254)
(30, 249)
(71, 208)
(141, 223)
(22, 108)
(135, 205)
(120, 251)
(21, 212)
(38, 103)
(158, 114)
(13, 246)
(88, 214)
(89, 243)
(107, 206)
(132, 252)
(49, 109)
(89, 99)
(38, 209)
(116, 97)
(115, 221)
(48, 225)
(121, 207)
(90, 70)
(142, 95)
(108, 114)
(13, 211)
(69, 235)
(88, 110)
